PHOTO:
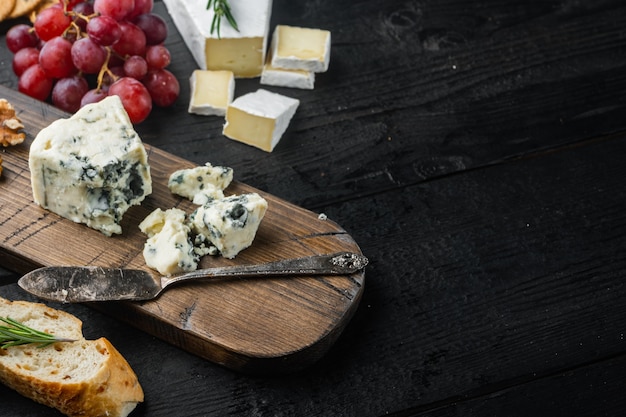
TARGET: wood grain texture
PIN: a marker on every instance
(489, 303)
(415, 91)
(253, 325)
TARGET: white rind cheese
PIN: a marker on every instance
(291, 78)
(259, 119)
(168, 249)
(230, 224)
(211, 92)
(92, 167)
(295, 47)
(201, 184)
(242, 52)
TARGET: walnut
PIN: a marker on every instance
(9, 125)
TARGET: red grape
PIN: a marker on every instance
(120, 40)
(56, 58)
(132, 41)
(93, 96)
(158, 56)
(153, 26)
(162, 86)
(84, 8)
(21, 36)
(112, 75)
(71, 4)
(134, 96)
(68, 92)
(104, 30)
(51, 22)
(117, 9)
(135, 67)
(35, 83)
(81, 12)
(88, 56)
(25, 58)
(141, 7)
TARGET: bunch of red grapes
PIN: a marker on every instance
(79, 51)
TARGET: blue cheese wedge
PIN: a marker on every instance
(230, 224)
(295, 47)
(92, 167)
(201, 184)
(240, 51)
(260, 118)
(169, 248)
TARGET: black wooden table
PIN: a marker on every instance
(476, 150)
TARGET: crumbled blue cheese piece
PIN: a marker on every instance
(92, 167)
(220, 226)
(201, 184)
(169, 248)
(230, 224)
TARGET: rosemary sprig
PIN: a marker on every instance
(221, 9)
(15, 333)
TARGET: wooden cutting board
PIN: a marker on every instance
(256, 325)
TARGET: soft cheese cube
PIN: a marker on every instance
(230, 224)
(168, 249)
(201, 184)
(242, 52)
(259, 119)
(211, 92)
(300, 48)
(92, 167)
(292, 78)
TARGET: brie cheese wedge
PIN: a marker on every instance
(259, 119)
(282, 77)
(211, 92)
(242, 52)
(300, 48)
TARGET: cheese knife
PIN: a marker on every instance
(73, 284)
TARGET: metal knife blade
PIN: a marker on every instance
(71, 284)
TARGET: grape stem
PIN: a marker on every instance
(105, 70)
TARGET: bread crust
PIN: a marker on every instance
(111, 390)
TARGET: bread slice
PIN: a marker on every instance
(87, 378)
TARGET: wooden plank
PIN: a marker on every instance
(474, 84)
(251, 325)
(484, 286)
(416, 92)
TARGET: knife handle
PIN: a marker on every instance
(342, 263)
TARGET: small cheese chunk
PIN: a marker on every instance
(211, 92)
(300, 48)
(92, 167)
(242, 52)
(230, 224)
(168, 249)
(201, 184)
(292, 78)
(259, 119)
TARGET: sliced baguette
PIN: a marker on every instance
(87, 378)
